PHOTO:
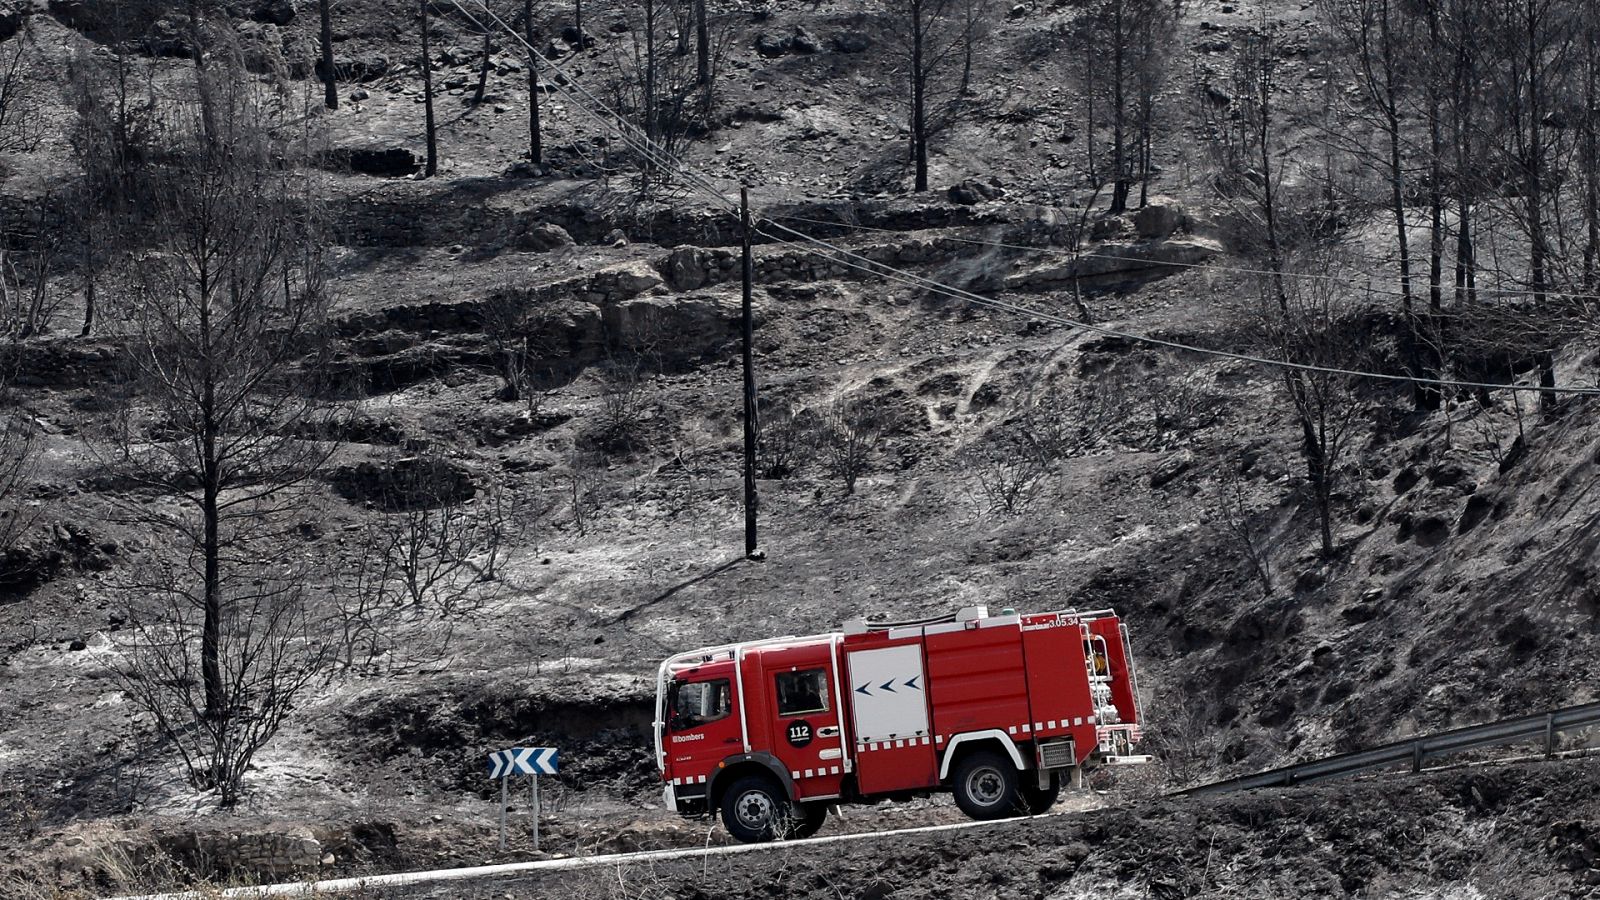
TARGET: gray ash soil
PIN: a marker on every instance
(1465, 587)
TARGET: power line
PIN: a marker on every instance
(907, 278)
(1210, 267)
(658, 156)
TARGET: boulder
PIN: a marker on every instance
(851, 42)
(1159, 219)
(1170, 468)
(803, 42)
(685, 269)
(973, 191)
(544, 236)
(576, 38)
(274, 12)
(633, 281)
(772, 46)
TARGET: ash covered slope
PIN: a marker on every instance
(1462, 591)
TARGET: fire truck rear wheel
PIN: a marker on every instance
(1036, 800)
(755, 809)
(985, 785)
(812, 816)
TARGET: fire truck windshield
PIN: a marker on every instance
(696, 703)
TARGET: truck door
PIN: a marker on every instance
(895, 747)
(806, 739)
(702, 728)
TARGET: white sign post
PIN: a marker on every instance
(530, 761)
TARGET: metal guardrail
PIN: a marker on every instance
(1416, 751)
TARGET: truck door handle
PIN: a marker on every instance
(828, 731)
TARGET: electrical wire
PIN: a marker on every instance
(1346, 280)
(641, 143)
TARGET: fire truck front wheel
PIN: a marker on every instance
(985, 785)
(755, 809)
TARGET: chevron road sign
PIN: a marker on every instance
(523, 761)
(530, 761)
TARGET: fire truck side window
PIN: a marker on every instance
(802, 692)
(701, 702)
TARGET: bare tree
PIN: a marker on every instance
(28, 257)
(1007, 469)
(438, 550)
(1311, 324)
(660, 89)
(222, 310)
(272, 654)
(849, 434)
(927, 35)
(21, 123)
(430, 559)
(18, 449)
(784, 441)
(1536, 37)
(485, 60)
(1240, 525)
(1125, 46)
(112, 137)
(585, 483)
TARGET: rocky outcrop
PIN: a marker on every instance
(1117, 264)
(680, 327)
(1160, 218)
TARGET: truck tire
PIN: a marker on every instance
(985, 785)
(1036, 800)
(812, 816)
(756, 809)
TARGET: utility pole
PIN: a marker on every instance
(748, 323)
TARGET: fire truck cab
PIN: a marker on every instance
(1000, 710)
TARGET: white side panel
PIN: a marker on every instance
(887, 690)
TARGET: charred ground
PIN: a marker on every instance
(1463, 589)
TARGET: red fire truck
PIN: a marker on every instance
(999, 710)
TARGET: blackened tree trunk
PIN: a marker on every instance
(330, 80)
(919, 90)
(483, 66)
(535, 152)
(649, 99)
(702, 44)
(1119, 112)
(1590, 153)
(432, 166)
